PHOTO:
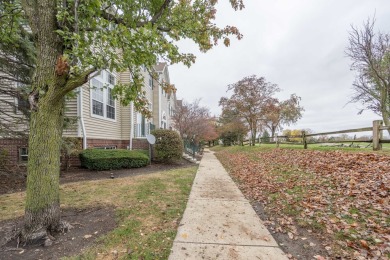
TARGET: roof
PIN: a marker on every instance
(160, 66)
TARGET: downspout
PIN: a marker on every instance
(80, 96)
(159, 106)
(80, 115)
(131, 125)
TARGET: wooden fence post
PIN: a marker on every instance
(377, 135)
(304, 140)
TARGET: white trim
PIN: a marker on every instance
(150, 81)
(159, 108)
(103, 79)
(131, 124)
(81, 118)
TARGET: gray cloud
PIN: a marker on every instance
(297, 44)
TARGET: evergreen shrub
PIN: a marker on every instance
(101, 159)
(168, 147)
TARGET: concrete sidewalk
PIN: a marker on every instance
(219, 223)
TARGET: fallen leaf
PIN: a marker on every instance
(364, 244)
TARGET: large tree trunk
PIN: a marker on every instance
(42, 211)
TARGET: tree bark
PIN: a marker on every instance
(386, 119)
(385, 109)
(254, 137)
(42, 210)
(273, 130)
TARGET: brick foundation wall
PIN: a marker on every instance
(11, 148)
(120, 144)
(140, 144)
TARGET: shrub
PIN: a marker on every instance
(168, 147)
(100, 159)
(70, 146)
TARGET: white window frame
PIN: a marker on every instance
(16, 100)
(23, 153)
(139, 126)
(113, 147)
(164, 121)
(150, 81)
(103, 78)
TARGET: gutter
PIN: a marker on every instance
(80, 115)
(131, 125)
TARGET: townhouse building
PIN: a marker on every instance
(100, 121)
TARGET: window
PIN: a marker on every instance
(106, 147)
(111, 78)
(102, 99)
(21, 101)
(110, 104)
(23, 154)
(97, 97)
(143, 126)
(150, 82)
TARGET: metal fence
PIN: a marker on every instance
(192, 148)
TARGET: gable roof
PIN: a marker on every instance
(160, 66)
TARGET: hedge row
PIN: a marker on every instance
(100, 159)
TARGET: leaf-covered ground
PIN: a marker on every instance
(343, 197)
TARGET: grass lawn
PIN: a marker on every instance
(148, 210)
(341, 194)
(318, 147)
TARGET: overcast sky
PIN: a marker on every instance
(297, 44)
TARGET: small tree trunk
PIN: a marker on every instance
(273, 132)
(253, 138)
(386, 119)
(42, 211)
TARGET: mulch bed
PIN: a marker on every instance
(88, 225)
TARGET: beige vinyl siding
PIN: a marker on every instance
(125, 111)
(161, 103)
(156, 94)
(148, 90)
(11, 116)
(148, 94)
(125, 122)
(71, 113)
(100, 128)
(172, 101)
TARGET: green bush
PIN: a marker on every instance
(100, 159)
(168, 147)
